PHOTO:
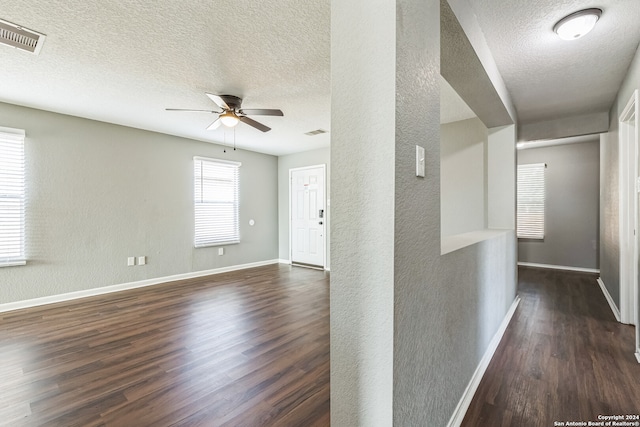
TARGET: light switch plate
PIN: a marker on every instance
(420, 161)
(142, 260)
(131, 261)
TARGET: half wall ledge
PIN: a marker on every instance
(455, 242)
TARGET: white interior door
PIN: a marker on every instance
(308, 215)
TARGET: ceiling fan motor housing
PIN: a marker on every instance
(233, 102)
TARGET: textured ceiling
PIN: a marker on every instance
(125, 61)
(548, 77)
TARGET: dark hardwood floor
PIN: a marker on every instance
(247, 348)
(563, 358)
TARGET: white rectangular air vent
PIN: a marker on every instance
(20, 38)
(316, 132)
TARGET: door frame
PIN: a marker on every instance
(326, 211)
(629, 225)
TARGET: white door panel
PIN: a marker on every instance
(307, 225)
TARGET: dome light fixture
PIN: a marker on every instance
(229, 119)
(577, 24)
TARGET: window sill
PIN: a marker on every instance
(213, 245)
(12, 263)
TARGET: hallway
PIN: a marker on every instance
(563, 358)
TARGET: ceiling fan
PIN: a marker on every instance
(232, 113)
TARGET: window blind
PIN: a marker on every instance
(216, 202)
(531, 201)
(12, 197)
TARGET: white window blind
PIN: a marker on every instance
(216, 202)
(531, 201)
(11, 197)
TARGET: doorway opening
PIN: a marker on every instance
(629, 212)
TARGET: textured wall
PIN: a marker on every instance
(471, 82)
(609, 172)
(363, 97)
(298, 160)
(98, 193)
(572, 192)
(468, 19)
(463, 176)
(448, 307)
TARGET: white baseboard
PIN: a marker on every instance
(607, 295)
(560, 267)
(470, 391)
(638, 355)
(124, 286)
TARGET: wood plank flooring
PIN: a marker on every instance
(247, 348)
(563, 358)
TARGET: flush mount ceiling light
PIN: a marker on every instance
(229, 119)
(577, 24)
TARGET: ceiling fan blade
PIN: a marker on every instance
(215, 125)
(218, 100)
(262, 112)
(251, 122)
(190, 111)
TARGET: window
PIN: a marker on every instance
(531, 201)
(11, 197)
(216, 202)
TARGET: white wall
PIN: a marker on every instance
(298, 160)
(501, 178)
(98, 193)
(363, 88)
(463, 176)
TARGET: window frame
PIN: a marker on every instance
(13, 188)
(531, 201)
(205, 212)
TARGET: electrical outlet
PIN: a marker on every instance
(142, 260)
(131, 261)
(220, 251)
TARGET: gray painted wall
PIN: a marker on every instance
(298, 160)
(609, 173)
(395, 301)
(562, 127)
(463, 176)
(98, 193)
(572, 192)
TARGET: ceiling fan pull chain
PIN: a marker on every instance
(234, 139)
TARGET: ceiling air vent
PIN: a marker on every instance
(20, 38)
(316, 132)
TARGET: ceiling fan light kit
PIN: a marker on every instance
(578, 24)
(229, 119)
(232, 113)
